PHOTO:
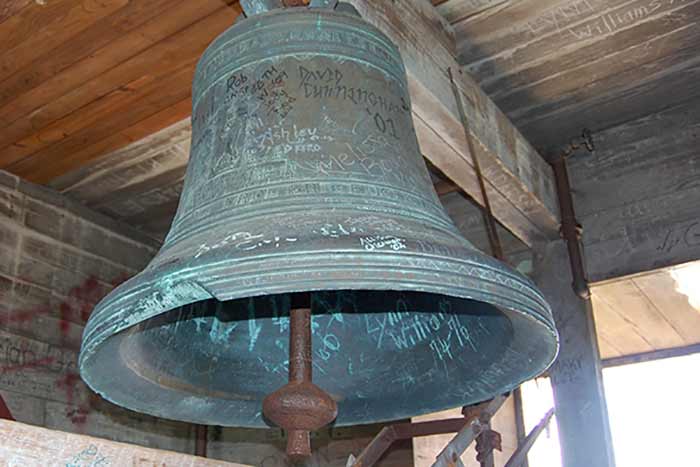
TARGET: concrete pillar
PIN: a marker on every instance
(579, 399)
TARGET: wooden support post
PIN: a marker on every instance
(579, 399)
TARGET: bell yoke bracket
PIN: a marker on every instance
(255, 7)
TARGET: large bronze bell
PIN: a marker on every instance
(306, 190)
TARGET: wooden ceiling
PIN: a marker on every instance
(82, 78)
(558, 66)
(643, 314)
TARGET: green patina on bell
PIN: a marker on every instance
(306, 176)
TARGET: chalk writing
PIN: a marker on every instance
(556, 18)
(244, 241)
(616, 20)
(380, 242)
(88, 457)
(254, 328)
(688, 236)
(337, 230)
(220, 333)
(566, 370)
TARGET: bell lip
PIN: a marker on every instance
(170, 288)
(533, 310)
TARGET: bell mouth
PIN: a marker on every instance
(375, 352)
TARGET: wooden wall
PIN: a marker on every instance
(638, 194)
(57, 260)
(638, 199)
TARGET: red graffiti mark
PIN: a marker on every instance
(21, 316)
(77, 413)
(68, 382)
(27, 365)
(76, 307)
(81, 300)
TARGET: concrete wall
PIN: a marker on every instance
(57, 260)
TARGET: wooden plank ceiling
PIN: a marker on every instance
(645, 313)
(558, 66)
(81, 78)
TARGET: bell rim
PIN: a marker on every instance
(533, 311)
(161, 280)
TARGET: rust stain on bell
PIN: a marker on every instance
(306, 176)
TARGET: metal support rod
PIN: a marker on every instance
(450, 456)
(519, 458)
(489, 220)
(570, 228)
(455, 448)
(390, 434)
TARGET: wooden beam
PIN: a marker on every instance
(637, 196)
(519, 182)
(651, 356)
(30, 445)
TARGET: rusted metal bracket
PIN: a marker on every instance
(519, 457)
(486, 443)
(390, 434)
(571, 230)
(402, 431)
(450, 456)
